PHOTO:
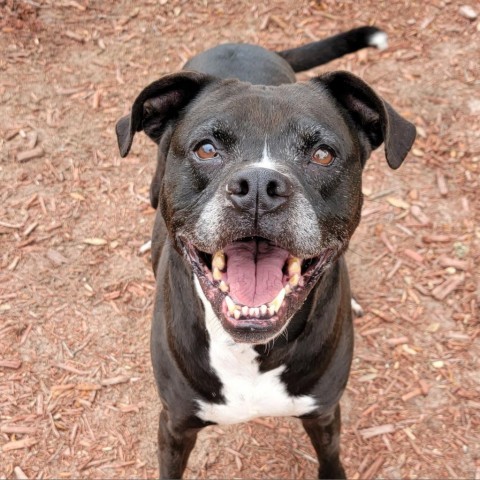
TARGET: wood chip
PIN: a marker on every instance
(13, 364)
(115, 380)
(413, 255)
(96, 100)
(398, 203)
(373, 469)
(442, 184)
(70, 369)
(74, 36)
(382, 315)
(375, 431)
(32, 140)
(12, 134)
(436, 238)
(412, 394)
(56, 257)
(30, 229)
(20, 474)
(447, 287)
(18, 429)
(417, 212)
(30, 154)
(95, 241)
(394, 270)
(145, 247)
(468, 12)
(280, 22)
(445, 261)
(393, 342)
(26, 442)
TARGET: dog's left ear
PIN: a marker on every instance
(372, 115)
(157, 105)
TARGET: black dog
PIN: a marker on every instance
(259, 186)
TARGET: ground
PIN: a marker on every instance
(77, 397)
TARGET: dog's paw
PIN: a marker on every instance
(357, 308)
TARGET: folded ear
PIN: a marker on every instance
(372, 115)
(157, 105)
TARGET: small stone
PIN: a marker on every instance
(468, 12)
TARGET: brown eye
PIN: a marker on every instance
(323, 156)
(206, 151)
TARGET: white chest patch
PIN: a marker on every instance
(248, 392)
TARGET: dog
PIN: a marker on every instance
(258, 191)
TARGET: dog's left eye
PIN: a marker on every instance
(206, 151)
(323, 156)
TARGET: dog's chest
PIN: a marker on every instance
(248, 392)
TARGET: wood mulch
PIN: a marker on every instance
(77, 397)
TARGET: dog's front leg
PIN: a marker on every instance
(174, 446)
(324, 432)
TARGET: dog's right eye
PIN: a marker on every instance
(206, 151)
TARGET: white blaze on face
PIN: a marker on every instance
(266, 161)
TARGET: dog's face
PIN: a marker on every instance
(261, 186)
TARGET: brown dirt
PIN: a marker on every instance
(77, 397)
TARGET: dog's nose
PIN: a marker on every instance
(258, 190)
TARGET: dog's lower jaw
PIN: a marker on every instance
(255, 298)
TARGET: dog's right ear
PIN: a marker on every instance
(158, 104)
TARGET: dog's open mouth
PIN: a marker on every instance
(255, 285)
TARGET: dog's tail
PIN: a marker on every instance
(317, 53)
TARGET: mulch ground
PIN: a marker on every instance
(77, 397)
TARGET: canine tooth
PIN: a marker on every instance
(224, 287)
(263, 309)
(294, 279)
(245, 311)
(236, 314)
(277, 303)
(271, 310)
(217, 274)
(219, 260)
(230, 304)
(288, 289)
(294, 266)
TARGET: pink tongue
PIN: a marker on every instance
(254, 270)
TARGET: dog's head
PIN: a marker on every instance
(260, 187)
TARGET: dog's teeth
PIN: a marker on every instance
(277, 303)
(294, 266)
(217, 274)
(271, 310)
(224, 287)
(219, 260)
(254, 312)
(230, 304)
(288, 289)
(236, 314)
(245, 311)
(263, 309)
(294, 279)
